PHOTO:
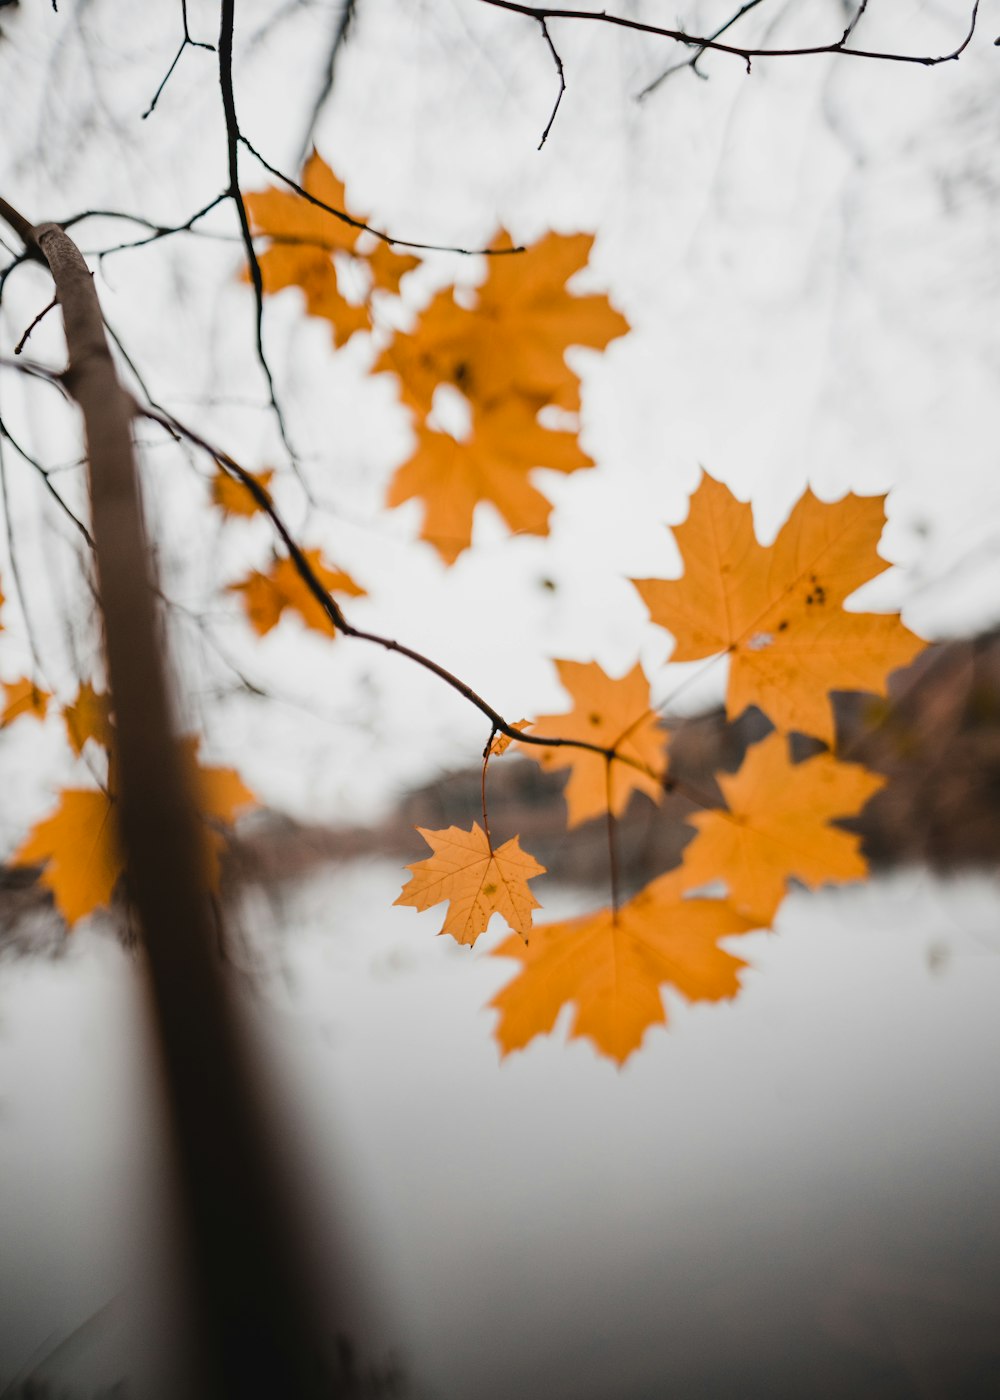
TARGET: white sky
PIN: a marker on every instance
(806, 255)
(808, 259)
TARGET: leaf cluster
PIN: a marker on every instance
(775, 616)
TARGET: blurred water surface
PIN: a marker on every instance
(793, 1193)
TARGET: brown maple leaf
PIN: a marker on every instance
(452, 477)
(612, 968)
(778, 611)
(777, 827)
(267, 595)
(477, 880)
(612, 713)
(312, 249)
(513, 341)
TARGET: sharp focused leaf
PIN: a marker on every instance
(777, 827)
(477, 882)
(778, 611)
(609, 713)
(611, 967)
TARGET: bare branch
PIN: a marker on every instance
(692, 62)
(40, 317)
(362, 227)
(235, 194)
(336, 615)
(186, 43)
(561, 72)
(543, 13)
(341, 33)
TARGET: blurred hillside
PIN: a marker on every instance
(936, 738)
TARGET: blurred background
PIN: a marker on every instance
(790, 1194)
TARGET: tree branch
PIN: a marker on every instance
(542, 14)
(255, 1308)
(336, 615)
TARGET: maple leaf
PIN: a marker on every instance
(306, 243)
(478, 882)
(79, 849)
(777, 827)
(609, 713)
(513, 341)
(778, 611)
(492, 464)
(23, 697)
(234, 497)
(612, 968)
(266, 596)
(88, 717)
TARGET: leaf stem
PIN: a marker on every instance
(612, 842)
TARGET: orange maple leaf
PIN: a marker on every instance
(776, 827)
(612, 968)
(234, 497)
(266, 596)
(778, 611)
(477, 880)
(23, 697)
(311, 247)
(612, 714)
(492, 464)
(513, 341)
(88, 717)
(79, 849)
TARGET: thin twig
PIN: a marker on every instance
(336, 615)
(47, 482)
(486, 820)
(362, 227)
(693, 61)
(703, 42)
(186, 43)
(561, 73)
(15, 567)
(341, 31)
(40, 317)
(612, 842)
(235, 194)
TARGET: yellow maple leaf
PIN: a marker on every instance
(307, 242)
(233, 496)
(778, 611)
(513, 341)
(612, 713)
(612, 968)
(266, 596)
(23, 697)
(88, 717)
(477, 880)
(492, 464)
(78, 845)
(777, 827)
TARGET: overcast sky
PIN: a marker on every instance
(806, 256)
